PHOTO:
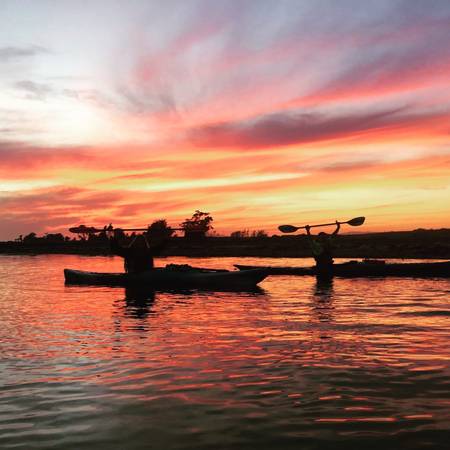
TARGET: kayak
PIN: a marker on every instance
(366, 269)
(171, 278)
(282, 270)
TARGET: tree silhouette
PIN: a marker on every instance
(160, 227)
(197, 225)
(30, 238)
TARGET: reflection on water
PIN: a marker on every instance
(138, 301)
(323, 300)
(295, 364)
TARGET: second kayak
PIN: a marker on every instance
(367, 269)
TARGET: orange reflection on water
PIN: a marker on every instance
(296, 351)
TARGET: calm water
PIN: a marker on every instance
(358, 364)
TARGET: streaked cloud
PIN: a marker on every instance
(11, 53)
(34, 90)
(257, 111)
(294, 128)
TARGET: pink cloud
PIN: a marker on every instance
(284, 129)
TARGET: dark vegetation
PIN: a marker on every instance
(198, 225)
(406, 244)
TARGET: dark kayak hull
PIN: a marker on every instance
(283, 270)
(360, 269)
(166, 278)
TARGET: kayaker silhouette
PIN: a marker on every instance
(138, 255)
(322, 250)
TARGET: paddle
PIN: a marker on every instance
(82, 229)
(356, 222)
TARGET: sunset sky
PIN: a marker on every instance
(259, 112)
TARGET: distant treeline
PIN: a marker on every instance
(407, 244)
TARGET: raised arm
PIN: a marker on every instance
(308, 228)
(338, 227)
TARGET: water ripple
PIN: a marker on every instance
(295, 364)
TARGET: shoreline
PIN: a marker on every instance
(418, 244)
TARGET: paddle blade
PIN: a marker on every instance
(287, 228)
(82, 229)
(357, 221)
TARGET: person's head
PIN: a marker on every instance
(322, 235)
